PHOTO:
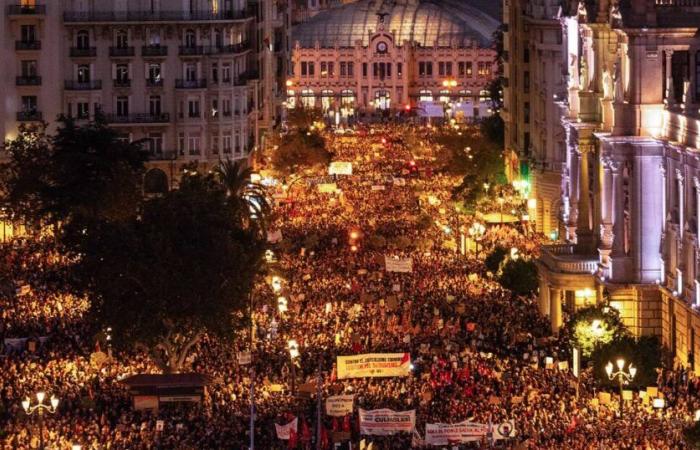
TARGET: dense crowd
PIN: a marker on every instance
(478, 352)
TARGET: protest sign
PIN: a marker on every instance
(463, 432)
(274, 237)
(504, 430)
(339, 405)
(244, 358)
(384, 422)
(374, 365)
(403, 265)
(283, 431)
(327, 188)
(160, 425)
(340, 168)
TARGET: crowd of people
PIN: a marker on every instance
(478, 352)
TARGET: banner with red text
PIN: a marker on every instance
(374, 365)
(384, 422)
(455, 433)
(283, 431)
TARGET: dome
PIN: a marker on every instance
(427, 22)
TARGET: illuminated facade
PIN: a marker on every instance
(630, 196)
(390, 55)
(198, 80)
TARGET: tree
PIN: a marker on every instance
(495, 258)
(181, 270)
(298, 150)
(645, 353)
(691, 436)
(519, 276)
(247, 199)
(594, 326)
(301, 118)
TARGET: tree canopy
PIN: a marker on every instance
(519, 275)
(594, 326)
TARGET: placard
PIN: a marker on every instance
(402, 265)
(385, 422)
(339, 405)
(340, 168)
(374, 365)
(463, 432)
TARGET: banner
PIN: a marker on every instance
(327, 188)
(456, 433)
(404, 265)
(283, 431)
(374, 365)
(384, 422)
(340, 168)
(274, 237)
(398, 181)
(339, 405)
(244, 358)
(505, 430)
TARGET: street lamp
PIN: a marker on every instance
(475, 232)
(621, 376)
(501, 201)
(293, 347)
(39, 409)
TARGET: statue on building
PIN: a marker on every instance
(584, 75)
(582, 12)
(607, 85)
(619, 88)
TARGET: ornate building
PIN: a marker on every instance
(627, 160)
(198, 80)
(390, 55)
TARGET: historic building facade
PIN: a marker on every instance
(395, 55)
(191, 77)
(629, 166)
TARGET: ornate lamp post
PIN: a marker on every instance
(39, 409)
(293, 347)
(621, 376)
(476, 231)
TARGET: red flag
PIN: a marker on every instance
(305, 431)
(324, 438)
(334, 424)
(346, 423)
(572, 425)
(293, 438)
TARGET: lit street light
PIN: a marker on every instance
(476, 231)
(39, 409)
(621, 376)
(293, 347)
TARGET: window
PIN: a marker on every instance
(83, 39)
(324, 70)
(191, 72)
(28, 33)
(214, 107)
(526, 112)
(291, 99)
(29, 69)
(122, 39)
(308, 99)
(304, 69)
(364, 70)
(83, 73)
(154, 73)
(154, 105)
(351, 69)
(215, 72)
(122, 106)
(227, 144)
(193, 108)
(121, 73)
(331, 69)
(448, 68)
(226, 107)
(181, 143)
(311, 69)
(444, 96)
(29, 104)
(226, 73)
(399, 69)
(83, 110)
(190, 38)
(425, 69)
(215, 144)
(526, 55)
(441, 69)
(526, 81)
(484, 69)
(237, 143)
(468, 66)
(425, 96)
(460, 69)
(154, 39)
(193, 145)
(343, 69)
(155, 141)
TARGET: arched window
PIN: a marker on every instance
(155, 182)
(444, 96)
(465, 96)
(347, 97)
(382, 100)
(83, 73)
(308, 99)
(291, 99)
(425, 96)
(326, 99)
(83, 39)
(190, 38)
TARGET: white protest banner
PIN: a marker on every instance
(327, 188)
(506, 430)
(244, 358)
(404, 265)
(377, 187)
(339, 405)
(374, 365)
(398, 181)
(384, 422)
(274, 236)
(283, 431)
(444, 434)
(160, 425)
(340, 168)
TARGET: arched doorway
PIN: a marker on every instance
(382, 100)
(155, 182)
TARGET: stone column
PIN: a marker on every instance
(543, 299)
(583, 226)
(670, 98)
(618, 216)
(681, 203)
(555, 309)
(574, 195)
(606, 200)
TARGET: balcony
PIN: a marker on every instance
(154, 50)
(32, 80)
(154, 82)
(245, 77)
(27, 45)
(80, 52)
(562, 258)
(214, 49)
(191, 84)
(26, 10)
(72, 85)
(121, 52)
(121, 83)
(29, 116)
(137, 118)
(158, 16)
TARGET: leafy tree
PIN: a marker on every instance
(645, 353)
(301, 118)
(594, 326)
(495, 258)
(247, 199)
(519, 276)
(299, 150)
(181, 270)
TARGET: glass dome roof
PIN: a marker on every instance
(427, 22)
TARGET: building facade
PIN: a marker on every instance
(369, 55)
(630, 192)
(190, 78)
